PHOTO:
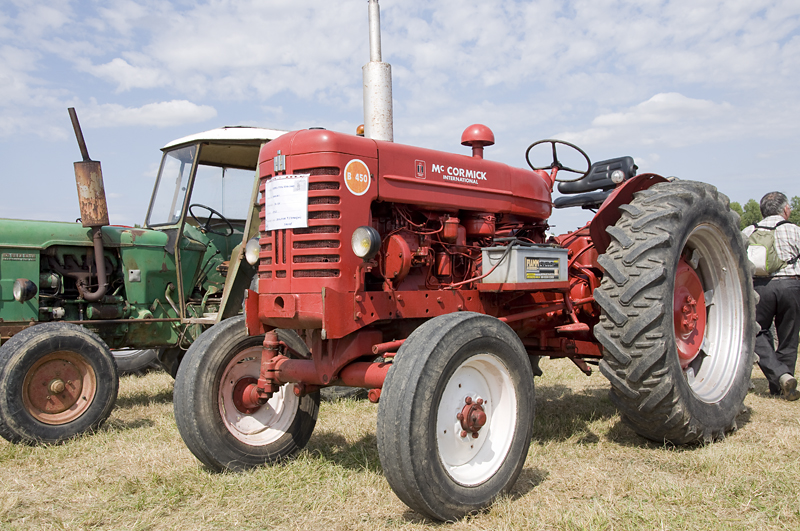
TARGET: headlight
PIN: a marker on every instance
(24, 290)
(251, 251)
(366, 242)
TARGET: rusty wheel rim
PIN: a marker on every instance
(59, 388)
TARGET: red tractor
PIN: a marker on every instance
(451, 280)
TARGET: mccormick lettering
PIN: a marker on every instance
(461, 175)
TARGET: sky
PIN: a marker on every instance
(697, 89)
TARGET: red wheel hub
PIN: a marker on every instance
(689, 313)
(245, 396)
(472, 417)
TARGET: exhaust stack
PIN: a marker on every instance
(94, 211)
(378, 120)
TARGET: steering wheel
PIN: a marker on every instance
(556, 164)
(207, 226)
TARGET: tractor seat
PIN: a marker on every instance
(587, 200)
(597, 185)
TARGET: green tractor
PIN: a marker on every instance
(71, 292)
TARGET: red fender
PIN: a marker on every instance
(609, 210)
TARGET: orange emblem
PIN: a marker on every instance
(356, 177)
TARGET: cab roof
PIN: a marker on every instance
(231, 146)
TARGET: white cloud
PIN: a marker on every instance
(669, 119)
(645, 76)
(162, 114)
(598, 56)
(128, 77)
(664, 108)
(37, 19)
(239, 50)
(123, 16)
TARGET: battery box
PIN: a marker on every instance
(535, 263)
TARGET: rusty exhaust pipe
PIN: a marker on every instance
(94, 210)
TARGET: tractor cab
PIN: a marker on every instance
(201, 194)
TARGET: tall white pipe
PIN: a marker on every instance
(374, 31)
(377, 76)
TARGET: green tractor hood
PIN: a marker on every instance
(21, 234)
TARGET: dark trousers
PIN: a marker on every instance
(780, 300)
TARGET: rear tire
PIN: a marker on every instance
(216, 432)
(677, 242)
(135, 361)
(57, 381)
(447, 364)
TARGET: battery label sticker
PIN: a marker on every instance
(541, 268)
(286, 202)
(356, 177)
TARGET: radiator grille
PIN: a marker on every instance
(323, 229)
(327, 170)
(324, 214)
(316, 273)
(317, 244)
(326, 200)
(323, 186)
(285, 253)
(316, 258)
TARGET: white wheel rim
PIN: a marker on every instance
(267, 424)
(470, 461)
(712, 374)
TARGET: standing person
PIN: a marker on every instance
(779, 293)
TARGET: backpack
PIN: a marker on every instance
(761, 250)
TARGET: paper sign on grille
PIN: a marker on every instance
(286, 202)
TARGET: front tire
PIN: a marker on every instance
(220, 435)
(57, 381)
(678, 314)
(464, 364)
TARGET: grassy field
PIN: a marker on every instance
(585, 470)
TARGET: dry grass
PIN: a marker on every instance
(585, 470)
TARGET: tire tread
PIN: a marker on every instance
(635, 327)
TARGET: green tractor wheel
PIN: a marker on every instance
(57, 381)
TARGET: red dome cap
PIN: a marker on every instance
(477, 135)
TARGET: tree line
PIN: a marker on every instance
(751, 213)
